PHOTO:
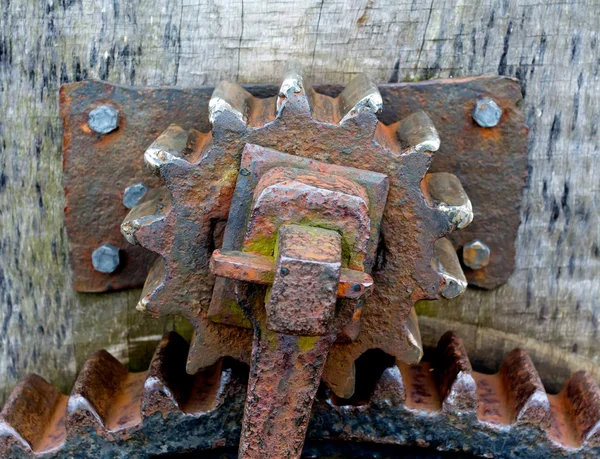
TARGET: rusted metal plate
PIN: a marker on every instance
(328, 167)
(98, 168)
(490, 162)
(441, 404)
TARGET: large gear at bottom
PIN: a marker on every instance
(184, 220)
(442, 405)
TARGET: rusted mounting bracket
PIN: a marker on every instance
(490, 163)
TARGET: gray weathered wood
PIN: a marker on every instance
(550, 306)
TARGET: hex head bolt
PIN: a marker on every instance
(476, 254)
(133, 194)
(103, 119)
(487, 113)
(106, 258)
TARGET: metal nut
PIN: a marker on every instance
(487, 113)
(103, 119)
(106, 258)
(476, 254)
(133, 194)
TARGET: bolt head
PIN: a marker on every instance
(476, 254)
(133, 194)
(106, 258)
(103, 119)
(487, 113)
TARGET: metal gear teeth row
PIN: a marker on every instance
(108, 404)
(442, 404)
(183, 221)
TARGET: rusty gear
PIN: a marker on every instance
(183, 221)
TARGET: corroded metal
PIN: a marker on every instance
(303, 296)
(312, 222)
(447, 264)
(318, 185)
(292, 337)
(260, 269)
(440, 405)
(97, 169)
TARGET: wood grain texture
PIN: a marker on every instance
(550, 302)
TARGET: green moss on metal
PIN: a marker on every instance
(306, 343)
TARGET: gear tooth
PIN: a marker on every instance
(211, 342)
(413, 353)
(170, 145)
(339, 373)
(33, 417)
(583, 399)
(390, 388)
(230, 98)
(94, 391)
(167, 382)
(527, 397)
(446, 263)
(445, 192)
(105, 395)
(360, 95)
(454, 376)
(142, 224)
(200, 357)
(418, 132)
(153, 291)
(294, 87)
(342, 379)
(169, 389)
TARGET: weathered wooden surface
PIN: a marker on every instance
(550, 306)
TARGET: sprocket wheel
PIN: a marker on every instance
(184, 220)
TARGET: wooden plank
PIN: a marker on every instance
(551, 300)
